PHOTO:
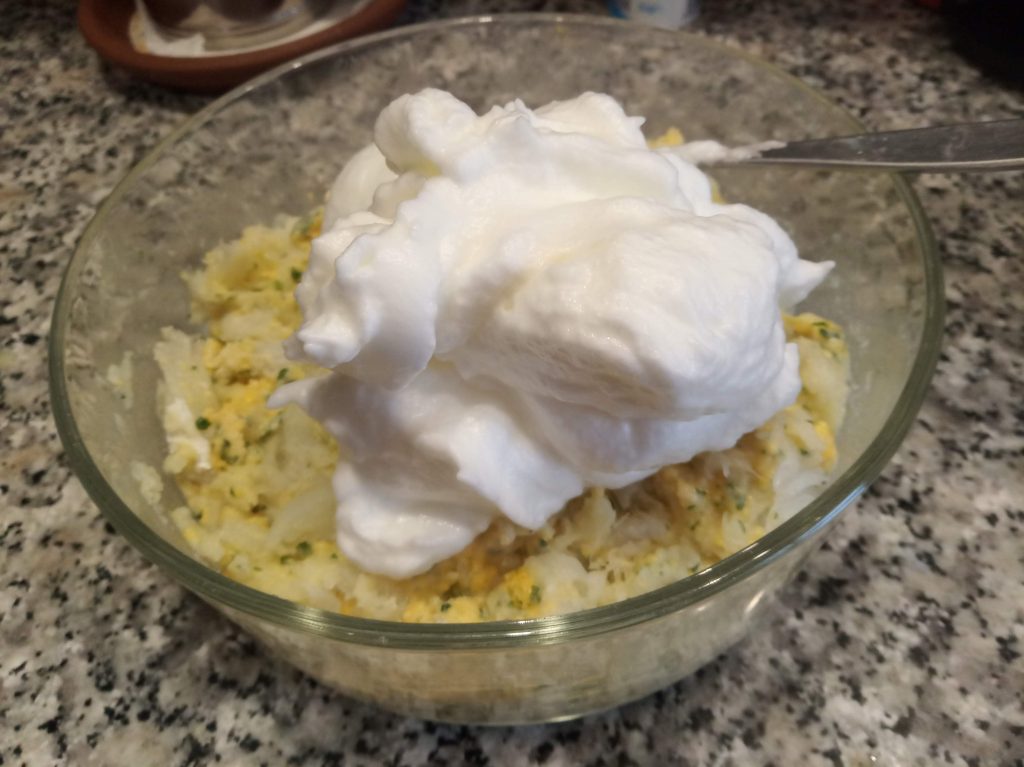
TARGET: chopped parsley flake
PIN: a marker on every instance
(303, 227)
(825, 330)
(739, 498)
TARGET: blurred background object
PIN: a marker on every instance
(990, 33)
(670, 14)
(221, 26)
(212, 45)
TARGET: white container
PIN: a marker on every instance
(670, 14)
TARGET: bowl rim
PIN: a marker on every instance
(240, 599)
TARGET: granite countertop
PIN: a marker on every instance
(900, 643)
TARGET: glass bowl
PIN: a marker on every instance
(273, 146)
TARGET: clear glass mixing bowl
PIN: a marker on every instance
(274, 145)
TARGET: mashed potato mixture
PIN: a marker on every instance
(257, 481)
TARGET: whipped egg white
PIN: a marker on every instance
(517, 305)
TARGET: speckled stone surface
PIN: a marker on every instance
(900, 644)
